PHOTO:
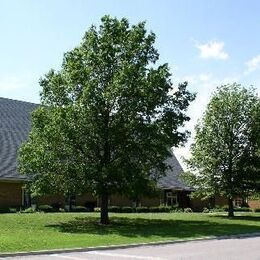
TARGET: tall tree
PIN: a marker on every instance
(225, 155)
(107, 118)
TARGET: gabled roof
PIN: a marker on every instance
(172, 178)
(15, 125)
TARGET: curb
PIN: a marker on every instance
(125, 246)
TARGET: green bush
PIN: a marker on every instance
(187, 210)
(242, 209)
(4, 210)
(79, 209)
(12, 210)
(217, 209)
(45, 208)
(225, 208)
(142, 209)
(56, 206)
(257, 210)
(160, 209)
(165, 209)
(154, 209)
(115, 209)
(177, 210)
(205, 210)
(29, 210)
(127, 210)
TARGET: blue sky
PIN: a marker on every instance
(208, 43)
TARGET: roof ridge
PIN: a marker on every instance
(16, 100)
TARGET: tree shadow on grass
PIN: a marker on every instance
(240, 217)
(162, 228)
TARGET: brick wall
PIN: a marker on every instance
(51, 199)
(10, 194)
(254, 204)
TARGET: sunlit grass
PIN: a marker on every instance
(27, 232)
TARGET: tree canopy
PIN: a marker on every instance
(225, 155)
(107, 118)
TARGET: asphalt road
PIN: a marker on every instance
(235, 248)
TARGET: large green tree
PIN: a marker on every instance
(107, 118)
(225, 157)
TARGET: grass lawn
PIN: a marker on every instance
(26, 232)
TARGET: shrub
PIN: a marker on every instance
(142, 209)
(160, 209)
(205, 210)
(176, 210)
(115, 209)
(155, 209)
(242, 209)
(165, 209)
(4, 210)
(97, 209)
(29, 210)
(225, 208)
(12, 210)
(56, 206)
(257, 210)
(45, 208)
(187, 210)
(79, 209)
(127, 210)
(217, 209)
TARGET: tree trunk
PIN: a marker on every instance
(230, 208)
(104, 220)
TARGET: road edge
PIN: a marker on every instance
(123, 246)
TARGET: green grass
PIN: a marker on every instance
(27, 232)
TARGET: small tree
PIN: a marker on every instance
(225, 155)
(107, 118)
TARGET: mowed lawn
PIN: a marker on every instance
(27, 232)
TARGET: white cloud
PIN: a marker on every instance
(253, 64)
(213, 49)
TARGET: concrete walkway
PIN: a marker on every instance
(233, 248)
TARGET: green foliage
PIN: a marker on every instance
(205, 210)
(142, 209)
(225, 155)
(115, 209)
(46, 208)
(127, 210)
(29, 210)
(254, 196)
(107, 118)
(187, 210)
(79, 209)
(160, 209)
(243, 209)
(4, 210)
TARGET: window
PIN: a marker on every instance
(238, 202)
(171, 198)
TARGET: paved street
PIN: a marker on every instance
(242, 248)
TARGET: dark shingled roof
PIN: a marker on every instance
(14, 129)
(15, 125)
(172, 179)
